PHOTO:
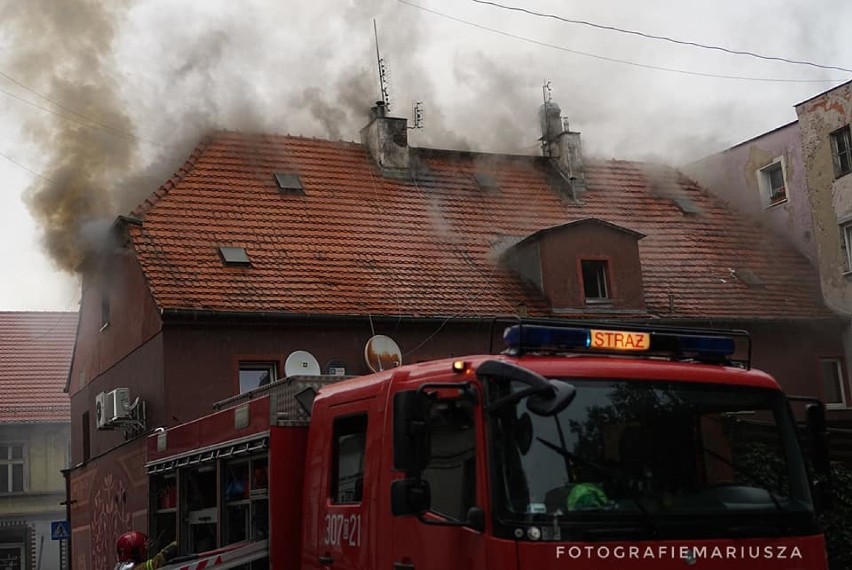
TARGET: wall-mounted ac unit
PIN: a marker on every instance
(110, 407)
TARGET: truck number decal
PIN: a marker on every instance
(343, 530)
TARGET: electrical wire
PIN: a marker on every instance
(615, 60)
(663, 38)
(22, 167)
(81, 120)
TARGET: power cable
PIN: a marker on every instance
(615, 60)
(663, 38)
(83, 120)
(21, 166)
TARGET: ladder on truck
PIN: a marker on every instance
(227, 557)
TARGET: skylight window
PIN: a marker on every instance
(289, 182)
(486, 181)
(686, 205)
(235, 256)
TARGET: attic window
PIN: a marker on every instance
(485, 181)
(748, 277)
(289, 182)
(595, 285)
(235, 256)
(686, 205)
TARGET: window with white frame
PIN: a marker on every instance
(833, 386)
(841, 151)
(256, 374)
(772, 181)
(11, 468)
(846, 246)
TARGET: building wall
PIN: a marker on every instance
(831, 199)
(25, 518)
(109, 496)
(733, 176)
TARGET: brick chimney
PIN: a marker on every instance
(387, 140)
(562, 146)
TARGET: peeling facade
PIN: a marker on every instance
(735, 175)
(830, 196)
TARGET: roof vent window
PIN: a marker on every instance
(486, 181)
(289, 182)
(235, 256)
(686, 205)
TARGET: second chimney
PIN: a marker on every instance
(387, 140)
(562, 146)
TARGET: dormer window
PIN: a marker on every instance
(595, 285)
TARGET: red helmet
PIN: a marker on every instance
(132, 547)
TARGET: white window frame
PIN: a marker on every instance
(838, 363)
(765, 185)
(257, 365)
(6, 462)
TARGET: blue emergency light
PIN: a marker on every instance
(641, 341)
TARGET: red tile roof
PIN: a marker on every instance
(358, 243)
(35, 355)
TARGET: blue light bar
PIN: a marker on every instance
(640, 340)
(532, 337)
(708, 346)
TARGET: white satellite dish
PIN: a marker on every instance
(301, 363)
(382, 353)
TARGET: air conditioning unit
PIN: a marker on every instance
(110, 407)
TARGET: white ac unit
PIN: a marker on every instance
(110, 407)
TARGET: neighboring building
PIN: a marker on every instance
(35, 438)
(795, 180)
(765, 178)
(263, 245)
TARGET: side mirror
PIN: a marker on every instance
(411, 436)
(476, 519)
(546, 397)
(410, 497)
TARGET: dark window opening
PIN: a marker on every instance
(841, 151)
(87, 442)
(777, 188)
(347, 475)
(595, 287)
(486, 181)
(831, 371)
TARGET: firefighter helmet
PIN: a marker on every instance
(132, 547)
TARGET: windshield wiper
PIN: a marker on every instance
(751, 477)
(610, 478)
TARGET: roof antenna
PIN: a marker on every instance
(547, 96)
(383, 71)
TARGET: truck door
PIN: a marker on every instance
(455, 473)
(342, 545)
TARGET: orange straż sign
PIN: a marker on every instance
(619, 340)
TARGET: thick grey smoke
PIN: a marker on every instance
(140, 83)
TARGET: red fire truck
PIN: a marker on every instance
(593, 446)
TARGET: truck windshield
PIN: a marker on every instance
(653, 453)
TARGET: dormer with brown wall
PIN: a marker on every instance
(587, 266)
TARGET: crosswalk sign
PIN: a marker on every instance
(59, 530)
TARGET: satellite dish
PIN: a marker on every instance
(301, 363)
(381, 353)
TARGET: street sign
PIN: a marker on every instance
(59, 530)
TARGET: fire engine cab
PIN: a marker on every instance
(593, 446)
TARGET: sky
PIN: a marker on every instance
(103, 100)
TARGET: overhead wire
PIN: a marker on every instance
(662, 38)
(612, 59)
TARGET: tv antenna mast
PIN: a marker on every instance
(383, 71)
